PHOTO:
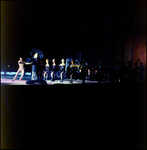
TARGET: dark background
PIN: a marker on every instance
(100, 115)
(98, 30)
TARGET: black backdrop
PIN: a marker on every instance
(58, 30)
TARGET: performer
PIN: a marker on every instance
(34, 63)
(37, 54)
(78, 70)
(72, 70)
(40, 69)
(84, 71)
(62, 69)
(53, 70)
(46, 70)
(20, 69)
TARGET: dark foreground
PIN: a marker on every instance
(74, 116)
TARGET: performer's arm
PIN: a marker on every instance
(26, 63)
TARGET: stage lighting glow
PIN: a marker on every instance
(28, 73)
(13, 73)
(10, 73)
(2, 72)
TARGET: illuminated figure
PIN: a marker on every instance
(34, 62)
(72, 70)
(37, 54)
(46, 70)
(78, 70)
(62, 69)
(84, 71)
(53, 70)
(21, 64)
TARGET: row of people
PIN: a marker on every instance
(45, 72)
(53, 69)
(78, 70)
(117, 71)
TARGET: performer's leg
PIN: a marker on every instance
(52, 76)
(22, 73)
(71, 78)
(18, 71)
(44, 75)
(61, 76)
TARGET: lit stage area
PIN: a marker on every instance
(7, 80)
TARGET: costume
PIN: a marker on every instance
(78, 71)
(61, 71)
(34, 75)
(53, 68)
(71, 72)
(62, 68)
(53, 72)
(84, 71)
(72, 69)
(34, 78)
(20, 69)
(46, 71)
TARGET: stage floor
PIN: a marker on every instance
(7, 80)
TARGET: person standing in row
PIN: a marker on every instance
(34, 61)
(21, 64)
(62, 69)
(78, 71)
(72, 68)
(46, 70)
(84, 71)
(53, 70)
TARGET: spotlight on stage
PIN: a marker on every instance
(10, 73)
(2, 73)
(28, 73)
(13, 73)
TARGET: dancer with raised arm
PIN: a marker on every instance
(37, 54)
(62, 69)
(21, 64)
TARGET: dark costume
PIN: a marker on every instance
(34, 75)
(78, 71)
(72, 69)
(84, 71)
(46, 70)
(53, 70)
(34, 78)
(62, 69)
(40, 68)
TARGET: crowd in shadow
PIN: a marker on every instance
(117, 71)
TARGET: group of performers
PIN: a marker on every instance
(46, 71)
(76, 70)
